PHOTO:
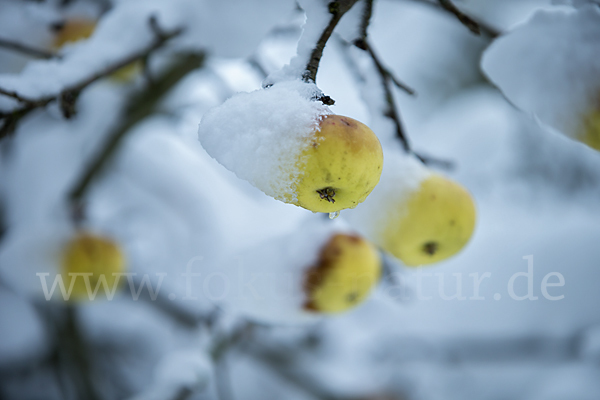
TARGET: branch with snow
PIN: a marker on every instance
(67, 97)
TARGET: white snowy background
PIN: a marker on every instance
(173, 209)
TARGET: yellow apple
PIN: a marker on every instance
(90, 254)
(434, 222)
(591, 130)
(347, 269)
(340, 167)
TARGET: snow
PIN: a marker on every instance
(183, 369)
(261, 135)
(317, 19)
(549, 66)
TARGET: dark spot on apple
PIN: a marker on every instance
(352, 297)
(452, 222)
(57, 26)
(430, 248)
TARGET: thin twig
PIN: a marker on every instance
(391, 109)
(362, 43)
(387, 80)
(366, 19)
(26, 49)
(337, 9)
(467, 21)
(386, 77)
(68, 96)
(475, 25)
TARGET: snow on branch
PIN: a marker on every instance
(67, 97)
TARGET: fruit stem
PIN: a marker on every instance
(327, 193)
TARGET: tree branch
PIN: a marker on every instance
(366, 19)
(25, 49)
(391, 112)
(475, 25)
(68, 96)
(337, 9)
(387, 79)
(467, 21)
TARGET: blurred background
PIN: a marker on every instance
(146, 74)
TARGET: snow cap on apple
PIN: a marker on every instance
(288, 144)
(549, 67)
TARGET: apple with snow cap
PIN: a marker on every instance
(339, 168)
(292, 148)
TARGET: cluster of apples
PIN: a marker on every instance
(337, 170)
(426, 224)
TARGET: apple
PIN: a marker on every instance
(430, 224)
(87, 253)
(339, 168)
(347, 269)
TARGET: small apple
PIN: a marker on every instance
(87, 253)
(347, 269)
(591, 130)
(432, 223)
(339, 168)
